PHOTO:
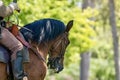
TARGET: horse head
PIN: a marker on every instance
(58, 48)
(53, 34)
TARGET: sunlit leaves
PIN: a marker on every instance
(83, 33)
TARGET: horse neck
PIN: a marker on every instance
(41, 48)
(45, 47)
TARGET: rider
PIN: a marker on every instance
(8, 40)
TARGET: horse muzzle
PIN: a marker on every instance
(55, 65)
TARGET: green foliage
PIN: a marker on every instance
(87, 34)
(82, 34)
(63, 10)
(103, 70)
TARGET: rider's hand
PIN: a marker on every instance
(14, 6)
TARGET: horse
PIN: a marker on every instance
(49, 39)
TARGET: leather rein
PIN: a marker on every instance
(37, 54)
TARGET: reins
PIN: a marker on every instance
(37, 54)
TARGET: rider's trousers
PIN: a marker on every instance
(9, 41)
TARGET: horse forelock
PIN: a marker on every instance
(43, 30)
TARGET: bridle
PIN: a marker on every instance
(64, 42)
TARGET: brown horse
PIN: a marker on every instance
(52, 45)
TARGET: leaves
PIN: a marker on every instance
(87, 32)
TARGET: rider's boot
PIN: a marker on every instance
(17, 65)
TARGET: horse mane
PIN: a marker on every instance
(43, 30)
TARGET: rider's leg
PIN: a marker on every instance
(9, 41)
(17, 65)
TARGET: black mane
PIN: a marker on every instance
(43, 30)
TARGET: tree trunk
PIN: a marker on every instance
(85, 57)
(112, 22)
(84, 66)
(86, 3)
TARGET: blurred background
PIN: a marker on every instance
(93, 53)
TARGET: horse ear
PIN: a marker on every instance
(69, 26)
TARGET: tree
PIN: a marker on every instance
(112, 22)
(85, 57)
